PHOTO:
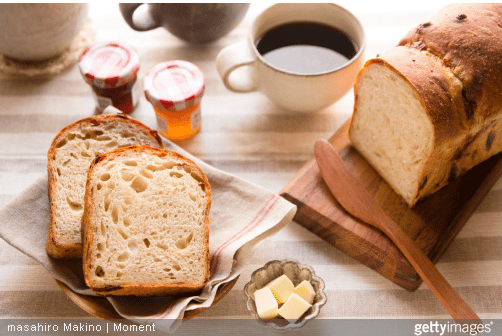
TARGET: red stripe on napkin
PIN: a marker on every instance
(168, 311)
(260, 216)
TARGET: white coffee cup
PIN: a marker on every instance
(38, 31)
(293, 91)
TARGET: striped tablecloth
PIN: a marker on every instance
(246, 135)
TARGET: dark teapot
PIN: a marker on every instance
(192, 22)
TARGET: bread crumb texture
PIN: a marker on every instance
(148, 221)
(69, 159)
(429, 109)
(400, 135)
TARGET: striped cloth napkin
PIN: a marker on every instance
(242, 215)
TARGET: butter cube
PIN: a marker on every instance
(294, 307)
(266, 305)
(306, 291)
(282, 288)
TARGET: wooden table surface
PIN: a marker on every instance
(246, 135)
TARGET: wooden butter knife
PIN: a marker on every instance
(352, 196)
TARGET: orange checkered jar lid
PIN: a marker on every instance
(174, 85)
(109, 64)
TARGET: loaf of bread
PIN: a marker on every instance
(431, 108)
(146, 223)
(68, 160)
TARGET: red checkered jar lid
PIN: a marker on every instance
(174, 85)
(109, 65)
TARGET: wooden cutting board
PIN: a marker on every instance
(433, 223)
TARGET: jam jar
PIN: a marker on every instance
(175, 89)
(111, 70)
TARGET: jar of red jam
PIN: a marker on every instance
(175, 89)
(111, 70)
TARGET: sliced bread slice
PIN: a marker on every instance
(68, 160)
(146, 223)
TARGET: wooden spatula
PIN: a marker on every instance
(352, 196)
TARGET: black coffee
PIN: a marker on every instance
(306, 47)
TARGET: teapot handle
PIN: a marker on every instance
(141, 22)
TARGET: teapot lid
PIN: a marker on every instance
(174, 85)
(109, 64)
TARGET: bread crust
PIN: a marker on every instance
(440, 95)
(88, 222)
(438, 90)
(54, 247)
(453, 63)
(468, 39)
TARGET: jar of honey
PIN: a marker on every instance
(111, 70)
(175, 89)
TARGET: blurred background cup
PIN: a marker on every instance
(244, 69)
(192, 22)
(39, 31)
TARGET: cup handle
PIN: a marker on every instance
(232, 57)
(142, 22)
